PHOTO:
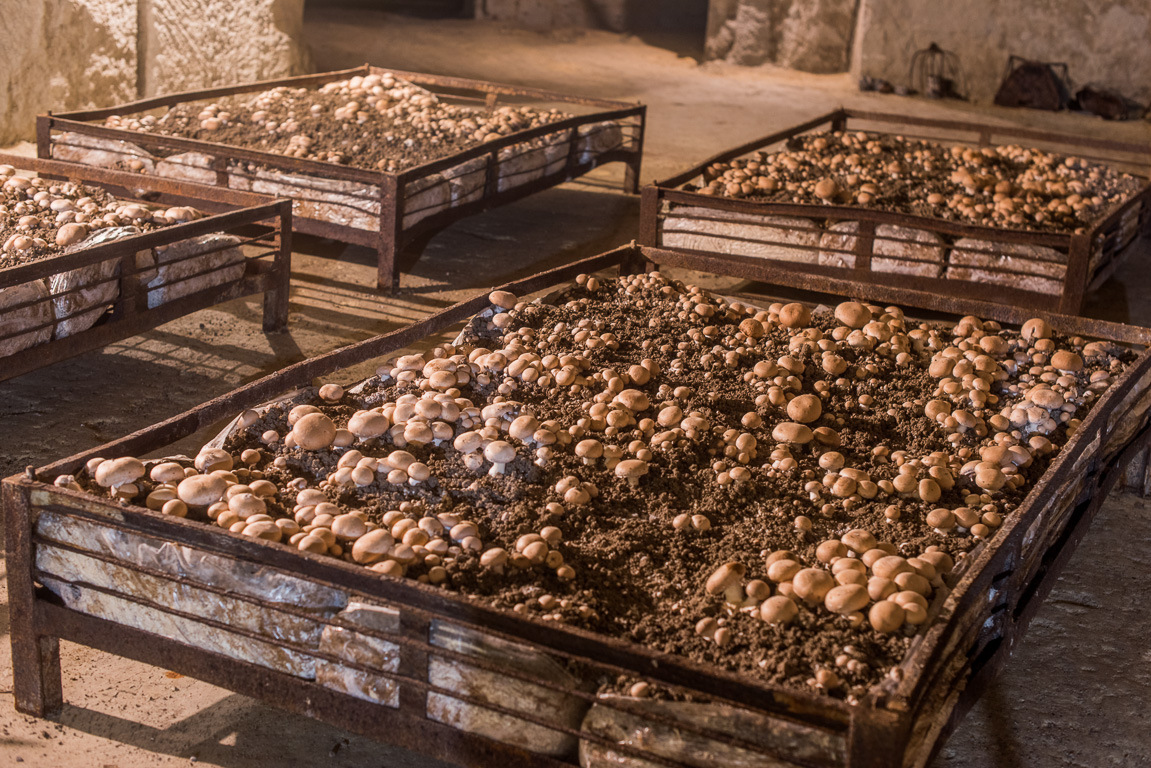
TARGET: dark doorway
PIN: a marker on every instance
(678, 25)
(424, 9)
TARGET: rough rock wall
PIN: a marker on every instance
(809, 35)
(189, 44)
(70, 54)
(63, 54)
(1102, 41)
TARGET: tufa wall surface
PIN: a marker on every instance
(190, 44)
(808, 35)
(1102, 41)
(73, 54)
(63, 54)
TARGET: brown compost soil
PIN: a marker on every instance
(1033, 178)
(401, 127)
(636, 576)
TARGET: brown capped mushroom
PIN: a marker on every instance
(727, 580)
(778, 610)
(804, 409)
(631, 470)
(114, 473)
(503, 299)
(500, 454)
(314, 432)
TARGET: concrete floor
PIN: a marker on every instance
(1073, 696)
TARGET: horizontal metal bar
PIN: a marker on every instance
(92, 174)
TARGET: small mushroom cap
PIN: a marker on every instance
(804, 408)
(791, 432)
(886, 616)
(813, 584)
(631, 468)
(890, 566)
(372, 546)
(503, 299)
(201, 490)
(368, 424)
(523, 427)
(70, 234)
(331, 392)
(633, 400)
(1066, 361)
(589, 449)
(499, 452)
(725, 576)
(826, 189)
(496, 557)
(852, 314)
(778, 610)
(845, 599)
(116, 472)
(349, 526)
(167, 472)
(211, 459)
(314, 432)
(859, 540)
(752, 328)
(1036, 328)
(400, 460)
(247, 504)
(468, 442)
(794, 315)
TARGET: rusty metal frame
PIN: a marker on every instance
(397, 246)
(266, 271)
(899, 723)
(657, 198)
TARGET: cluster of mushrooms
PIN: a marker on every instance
(41, 217)
(1001, 186)
(336, 122)
(860, 453)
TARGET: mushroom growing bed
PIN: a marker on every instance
(961, 209)
(375, 157)
(81, 267)
(581, 522)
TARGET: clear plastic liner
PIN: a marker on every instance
(188, 166)
(901, 250)
(1028, 267)
(349, 203)
(194, 264)
(495, 688)
(362, 649)
(528, 161)
(101, 153)
(795, 741)
(84, 599)
(25, 316)
(741, 234)
(595, 139)
(183, 562)
(81, 296)
(182, 596)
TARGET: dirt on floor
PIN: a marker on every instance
(1071, 696)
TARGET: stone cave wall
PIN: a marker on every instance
(71, 54)
(1102, 41)
(808, 35)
